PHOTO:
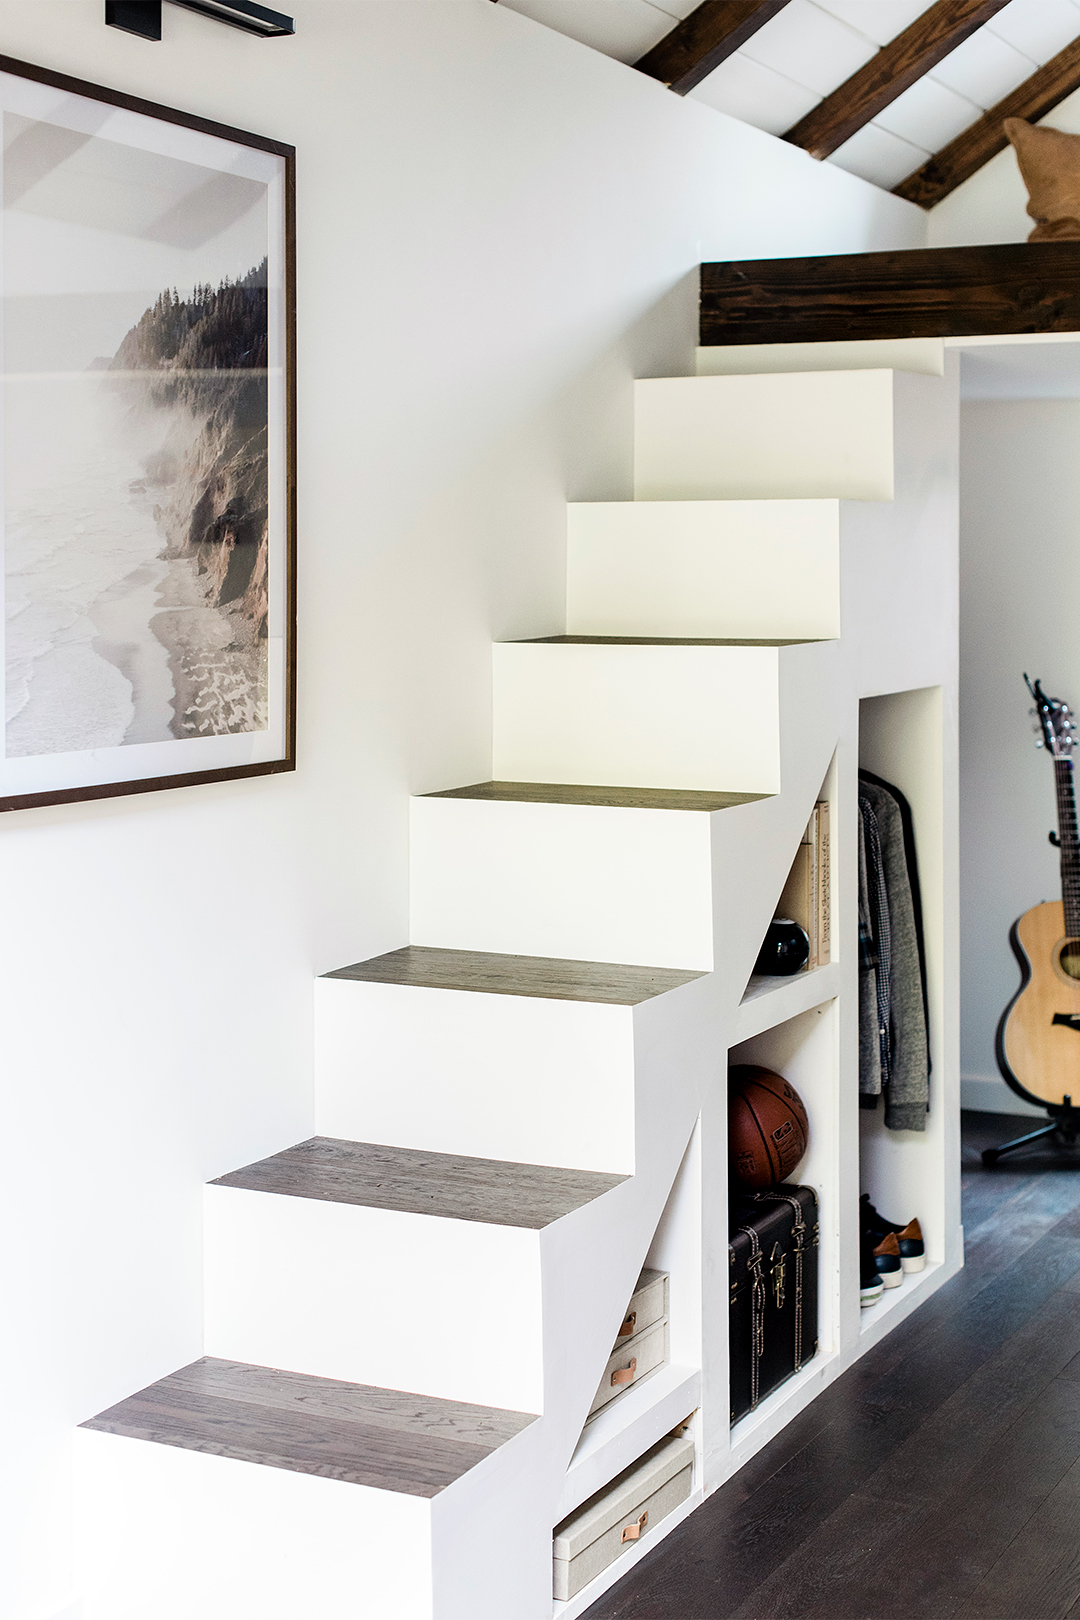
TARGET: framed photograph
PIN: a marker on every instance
(148, 501)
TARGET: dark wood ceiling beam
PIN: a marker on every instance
(894, 69)
(711, 33)
(962, 157)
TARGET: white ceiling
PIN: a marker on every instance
(811, 46)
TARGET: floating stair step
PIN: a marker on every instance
(603, 874)
(663, 641)
(392, 1266)
(704, 568)
(639, 712)
(495, 973)
(520, 1058)
(613, 798)
(787, 436)
(407, 1179)
(387, 1439)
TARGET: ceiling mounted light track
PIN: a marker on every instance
(143, 17)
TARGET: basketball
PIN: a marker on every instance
(767, 1127)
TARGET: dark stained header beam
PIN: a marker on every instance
(1015, 287)
(980, 142)
(705, 39)
(894, 69)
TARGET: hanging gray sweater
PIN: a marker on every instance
(908, 1089)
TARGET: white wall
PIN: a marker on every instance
(496, 231)
(1019, 525)
(992, 205)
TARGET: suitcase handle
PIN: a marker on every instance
(625, 1375)
(631, 1532)
(628, 1325)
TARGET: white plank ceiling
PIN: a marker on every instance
(811, 46)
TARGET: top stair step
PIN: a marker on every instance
(497, 1192)
(548, 977)
(384, 1438)
(781, 436)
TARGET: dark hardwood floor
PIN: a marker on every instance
(939, 1479)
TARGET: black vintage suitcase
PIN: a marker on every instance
(773, 1245)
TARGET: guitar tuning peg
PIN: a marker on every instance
(1039, 744)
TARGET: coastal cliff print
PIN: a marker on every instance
(146, 447)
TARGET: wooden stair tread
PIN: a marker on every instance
(409, 1180)
(619, 798)
(551, 978)
(663, 641)
(386, 1438)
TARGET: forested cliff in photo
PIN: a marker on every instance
(207, 354)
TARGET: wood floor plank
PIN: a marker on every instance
(1037, 1577)
(494, 1191)
(960, 1538)
(618, 798)
(322, 1429)
(550, 978)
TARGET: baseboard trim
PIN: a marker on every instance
(986, 1095)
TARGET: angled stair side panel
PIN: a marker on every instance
(585, 881)
(784, 436)
(505, 1077)
(443, 1307)
(752, 569)
(175, 1534)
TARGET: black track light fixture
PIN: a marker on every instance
(143, 17)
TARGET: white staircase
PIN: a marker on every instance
(407, 1316)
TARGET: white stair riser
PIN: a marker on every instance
(630, 716)
(372, 1296)
(587, 882)
(221, 1539)
(925, 355)
(753, 569)
(497, 1077)
(792, 435)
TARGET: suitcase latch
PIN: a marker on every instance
(779, 1261)
(628, 1325)
(631, 1532)
(625, 1375)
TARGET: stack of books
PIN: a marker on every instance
(806, 893)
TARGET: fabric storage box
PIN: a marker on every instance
(620, 1515)
(773, 1255)
(642, 1342)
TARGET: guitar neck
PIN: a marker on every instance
(1070, 846)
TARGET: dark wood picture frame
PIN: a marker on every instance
(287, 153)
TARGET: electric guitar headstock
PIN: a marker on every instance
(1054, 725)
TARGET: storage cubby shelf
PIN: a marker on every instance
(769, 1001)
(627, 1428)
(776, 1411)
(896, 1303)
(634, 1553)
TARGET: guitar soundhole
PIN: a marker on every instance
(1069, 960)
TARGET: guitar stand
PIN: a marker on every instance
(1065, 1126)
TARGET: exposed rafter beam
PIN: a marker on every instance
(959, 160)
(705, 39)
(887, 75)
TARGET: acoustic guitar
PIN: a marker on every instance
(1038, 1038)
